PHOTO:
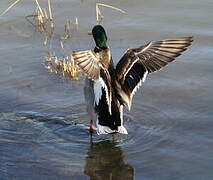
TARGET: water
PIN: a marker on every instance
(42, 116)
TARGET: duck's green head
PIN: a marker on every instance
(99, 36)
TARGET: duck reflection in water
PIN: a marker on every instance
(105, 161)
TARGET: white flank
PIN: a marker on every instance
(122, 130)
(97, 91)
(121, 114)
(106, 130)
(98, 85)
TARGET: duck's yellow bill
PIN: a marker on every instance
(89, 33)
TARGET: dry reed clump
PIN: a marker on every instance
(59, 65)
(44, 23)
(62, 66)
(42, 20)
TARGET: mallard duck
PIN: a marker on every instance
(109, 88)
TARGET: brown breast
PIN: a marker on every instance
(105, 57)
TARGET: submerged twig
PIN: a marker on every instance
(20, 33)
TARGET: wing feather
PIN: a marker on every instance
(136, 63)
(88, 62)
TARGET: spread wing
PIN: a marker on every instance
(88, 62)
(137, 63)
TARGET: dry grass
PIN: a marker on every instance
(63, 66)
(43, 21)
(67, 33)
(6, 10)
(99, 15)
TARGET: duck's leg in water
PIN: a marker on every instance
(92, 128)
(113, 137)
